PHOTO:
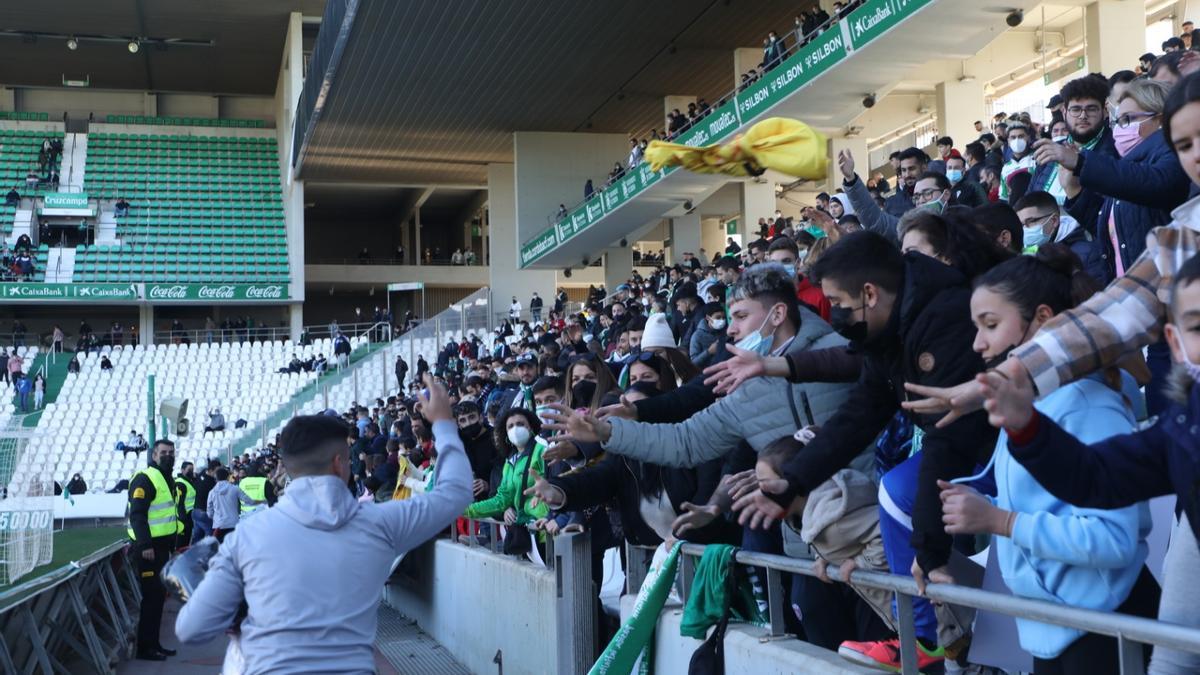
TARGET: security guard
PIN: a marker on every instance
(185, 489)
(258, 490)
(155, 524)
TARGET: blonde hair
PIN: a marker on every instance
(1150, 95)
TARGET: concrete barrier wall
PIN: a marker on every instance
(748, 650)
(476, 603)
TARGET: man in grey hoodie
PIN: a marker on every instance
(289, 563)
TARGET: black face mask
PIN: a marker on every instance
(581, 393)
(472, 430)
(841, 319)
(166, 464)
(1000, 358)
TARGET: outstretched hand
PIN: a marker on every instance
(624, 410)
(845, 162)
(576, 426)
(729, 374)
(1008, 401)
(694, 517)
(543, 491)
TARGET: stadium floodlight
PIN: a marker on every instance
(133, 46)
(72, 44)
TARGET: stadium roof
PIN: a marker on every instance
(247, 38)
(430, 92)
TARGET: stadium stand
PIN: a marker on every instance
(96, 409)
(223, 123)
(18, 156)
(205, 208)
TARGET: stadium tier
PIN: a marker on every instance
(204, 209)
(96, 408)
(18, 156)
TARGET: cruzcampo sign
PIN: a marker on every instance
(81, 292)
(832, 46)
(215, 292)
(66, 200)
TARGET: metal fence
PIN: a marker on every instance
(1131, 632)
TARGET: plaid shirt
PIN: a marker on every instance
(1127, 316)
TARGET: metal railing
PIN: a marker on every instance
(406, 261)
(1131, 632)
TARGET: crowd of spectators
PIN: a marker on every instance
(846, 355)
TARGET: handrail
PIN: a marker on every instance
(1129, 630)
(796, 43)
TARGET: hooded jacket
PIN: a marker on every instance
(703, 336)
(1075, 556)
(311, 569)
(761, 411)
(1081, 242)
(927, 341)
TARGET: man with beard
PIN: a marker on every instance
(155, 522)
(1087, 120)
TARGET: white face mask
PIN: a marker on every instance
(1017, 145)
(717, 324)
(518, 436)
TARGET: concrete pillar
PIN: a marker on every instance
(419, 251)
(959, 104)
(1109, 44)
(505, 277)
(618, 266)
(146, 325)
(745, 59)
(295, 321)
(685, 237)
(857, 147)
(150, 105)
(8, 99)
(758, 201)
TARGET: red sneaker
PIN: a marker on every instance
(885, 655)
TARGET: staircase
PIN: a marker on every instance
(22, 224)
(74, 158)
(60, 265)
(106, 229)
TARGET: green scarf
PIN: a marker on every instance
(636, 636)
(711, 597)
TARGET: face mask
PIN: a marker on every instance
(934, 206)
(757, 342)
(1035, 236)
(1000, 358)
(1059, 139)
(1018, 145)
(954, 175)
(582, 393)
(519, 436)
(790, 269)
(166, 464)
(472, 430)
(717, 324)
(541, 412)
(1126, 138)
(841, 319)
(802, 255)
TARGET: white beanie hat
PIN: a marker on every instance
(658, 333)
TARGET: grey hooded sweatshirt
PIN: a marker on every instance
(312, 569)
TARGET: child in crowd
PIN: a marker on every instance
(1124, 470)
(1048, 549)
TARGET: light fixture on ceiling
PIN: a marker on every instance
(1014, 18)
(72, 44)
(133, 46)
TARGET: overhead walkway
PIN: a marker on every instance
(867, 52)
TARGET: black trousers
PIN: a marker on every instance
(154, 594)
(1095, 654)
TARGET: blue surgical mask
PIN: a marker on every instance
(1034, 236)
(790, 268)
(757, 342)
(954, 175)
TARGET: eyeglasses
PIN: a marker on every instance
(923, 196)
(1135, 119)
(1030, 222)
(1078, 111)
